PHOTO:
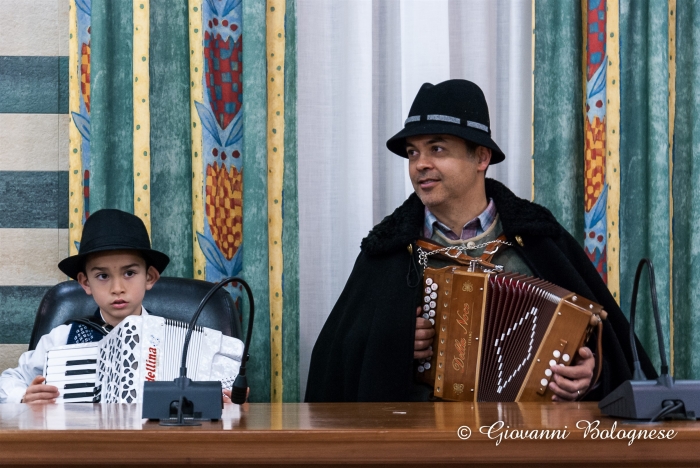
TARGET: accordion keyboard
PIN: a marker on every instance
(73, 370)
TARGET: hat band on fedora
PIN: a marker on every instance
(449, 119)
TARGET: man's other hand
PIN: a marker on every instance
(570, 382)
(37, 392)
(424, 337)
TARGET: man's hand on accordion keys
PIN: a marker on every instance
(570, 382)
(424, 337)
(38, 392)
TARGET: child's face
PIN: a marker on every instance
(117, 280)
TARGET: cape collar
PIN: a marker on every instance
(404, 225)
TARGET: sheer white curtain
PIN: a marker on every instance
(360, 64)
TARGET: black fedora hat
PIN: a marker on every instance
(453, 107)
(113, 230)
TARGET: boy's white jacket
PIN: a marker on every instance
(218, 358)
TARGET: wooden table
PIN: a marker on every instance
(403, 434)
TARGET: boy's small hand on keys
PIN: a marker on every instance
(227, 395)
(38, 392)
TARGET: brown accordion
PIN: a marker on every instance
(497, 334)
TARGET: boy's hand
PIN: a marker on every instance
(39, 393)
(227, 395)
(424, 337)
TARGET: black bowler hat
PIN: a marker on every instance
(113, 230)
(453, 107)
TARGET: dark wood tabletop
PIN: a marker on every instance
(402, 434)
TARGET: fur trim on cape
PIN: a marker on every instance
(404, 225)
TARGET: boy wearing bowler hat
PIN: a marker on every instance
(368, 348)
(116, 266)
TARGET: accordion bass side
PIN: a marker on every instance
(498, 334)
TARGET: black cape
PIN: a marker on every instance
(365, 349)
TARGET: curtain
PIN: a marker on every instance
(686, 190)
(622, 180)
(360, 64)
(160, 128)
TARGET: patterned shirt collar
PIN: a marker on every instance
(473, 228)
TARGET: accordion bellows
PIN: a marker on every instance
(498, 334)
(140, 348)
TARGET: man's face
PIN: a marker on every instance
(442, 170)
(118, 281)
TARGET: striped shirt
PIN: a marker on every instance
(473, 228)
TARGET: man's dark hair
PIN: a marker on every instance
(471, 146)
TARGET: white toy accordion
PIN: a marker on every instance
(140, 348)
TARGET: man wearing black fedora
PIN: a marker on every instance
(366, 351)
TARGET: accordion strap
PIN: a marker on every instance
(500, 244)
(458, 253)
(599, 355)
(91, 322)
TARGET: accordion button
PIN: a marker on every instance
(434, 286)
(548, 372)
(428, 281)
(556, 353)
(426, 307)
(552, 362)
(421, 368)
(426, 316)
(428, 290)
(426, 299)
(433, 295)
(431, 313)
(565, 358)
(543, 382)
(432, 321)
(432, 304)
(426, 366)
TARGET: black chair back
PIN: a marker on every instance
(173, 298)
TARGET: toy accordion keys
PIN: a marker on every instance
(140, 348)
(497, 334)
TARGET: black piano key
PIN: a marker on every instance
(69, 396)
(81, 362)
(78, 385)
(81, 372)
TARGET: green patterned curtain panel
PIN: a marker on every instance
(615, 151)
(160, 128)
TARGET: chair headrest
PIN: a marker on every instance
(174, 298)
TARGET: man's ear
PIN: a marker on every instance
(83, 281)
(152, 276)
(483, 156)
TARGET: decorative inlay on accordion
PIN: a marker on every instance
(496, 335)
(140, 348)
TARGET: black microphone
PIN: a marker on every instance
(196, 400)
(658, 399)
